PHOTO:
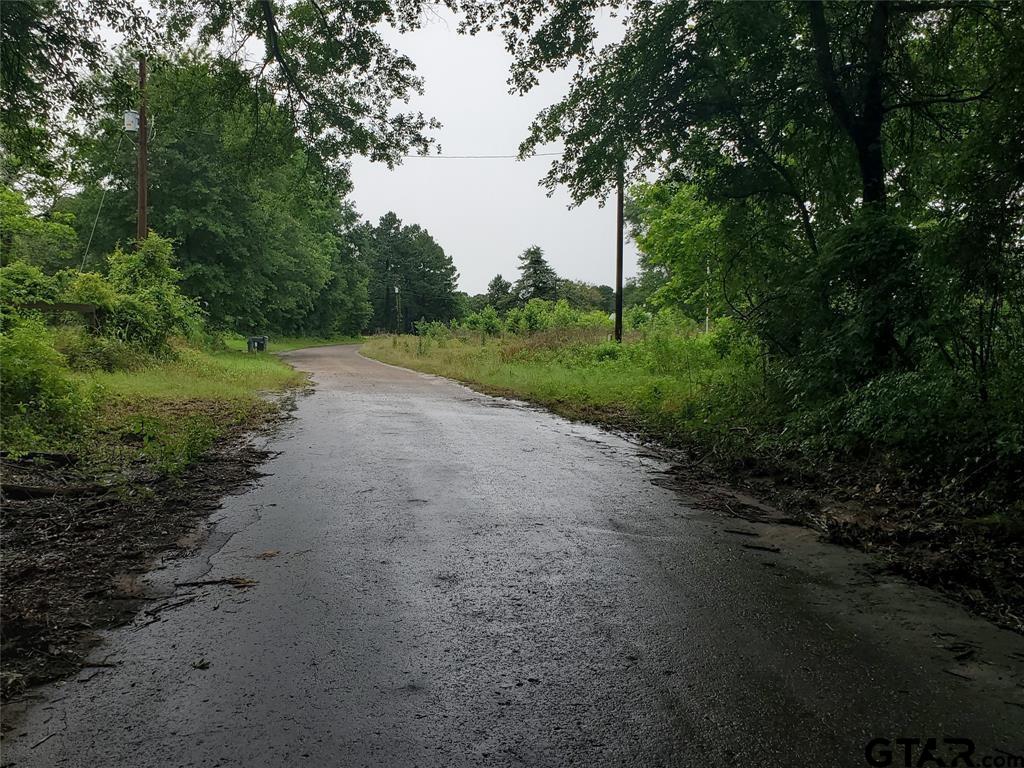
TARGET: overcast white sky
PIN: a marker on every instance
(485, 212)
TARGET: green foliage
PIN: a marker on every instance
(730, 336)
(432, 330)
(874, 310)
(48, 242)
(148, 266)
(487, 321)
(38, 398)
(536, 315)
(47, 46)
(407, 258)
(533, 316)
(636, 317)
(150, 307)
(537, 280)
(333, 59)
(264, 241)
(21, 282)
(499, 294)
(852, 202)
(89, 288)
(581, 295)
(679, 236)
(85, 351)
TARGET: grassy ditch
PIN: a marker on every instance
(172, 411)
(679, 389)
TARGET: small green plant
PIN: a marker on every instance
(172, 444)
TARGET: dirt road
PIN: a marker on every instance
(431, 577)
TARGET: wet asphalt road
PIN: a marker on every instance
(447, 579)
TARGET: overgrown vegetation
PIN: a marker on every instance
(842, 182)
(108, 359)
(677, 384)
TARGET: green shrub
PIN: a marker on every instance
(85, 351)
(607, 350)
(48, 242)
(486, 321)
(728, 336)
(21, 282)
(636, 317)
(89, 288)
(151, 264)
(150, 307)
(541, 315)
(135, 320)
(433, 330)
(37, 396)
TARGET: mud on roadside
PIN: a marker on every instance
(76, 538)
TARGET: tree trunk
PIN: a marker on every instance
(863, 125)
(869, 139)
(872, 170)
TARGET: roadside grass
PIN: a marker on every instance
(197, 374)
(687, 393)
(173, 411)
(237, 343)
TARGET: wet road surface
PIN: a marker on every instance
(447, 579)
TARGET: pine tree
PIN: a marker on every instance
(537, 280)
(499, 293)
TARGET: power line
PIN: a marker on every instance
(483, 157)
(98, 209)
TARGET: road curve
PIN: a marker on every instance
(442, 578)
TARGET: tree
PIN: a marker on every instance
(411, 277)
(537, 280)
(46, 47)
(328, 63)
(581, 295)
(680, 234)
(46, 242)
(499, 294)
(264, 238)
(800, 123)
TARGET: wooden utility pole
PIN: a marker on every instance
(142, 229)
(618, 258)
